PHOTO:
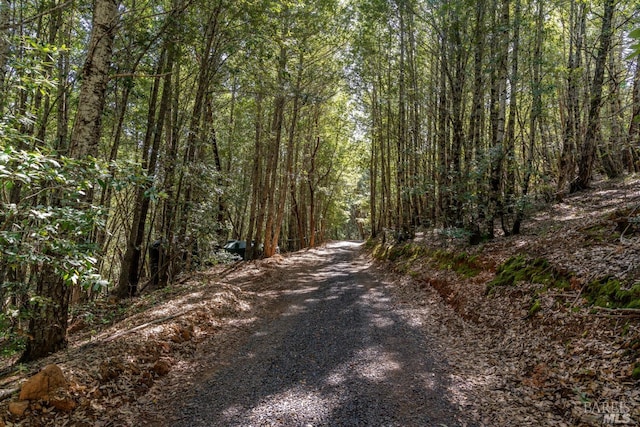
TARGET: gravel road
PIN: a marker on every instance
(334, 352)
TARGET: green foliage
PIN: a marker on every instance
(608, 292)
(49, 225)
(520, 269)
(45, 220)
(12, 337)
(635, 48)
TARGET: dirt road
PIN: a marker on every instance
(332, 352)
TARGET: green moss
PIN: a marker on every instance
(608, 292)
(397, 252)
(520, 268)
(636, 372)
(535, 307)
(462, 263)
(601, 233)
(406, 254)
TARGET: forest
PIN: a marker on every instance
(173, 126)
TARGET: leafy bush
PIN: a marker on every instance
(46, 220)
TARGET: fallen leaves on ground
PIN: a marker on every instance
(565, 365)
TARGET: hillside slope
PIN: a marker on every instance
(526, 341)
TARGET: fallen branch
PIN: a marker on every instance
(153, 322)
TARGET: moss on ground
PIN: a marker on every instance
(462, 263)
(522, 269)
(404, 255)
(535, 307)
(609, 292)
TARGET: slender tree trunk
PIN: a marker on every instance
(476, 119)
(572, 122)
(498, 113)
(130, 268)
(210, 61)
(373, 164)
(403, 205)
(455, 67)
(167, 228)
(256, 210)
(288, 170)
(5, 6)
(611, 151)
(589, 148)
(510, 137)
(274, 153)
(444, 191)
(536, 112)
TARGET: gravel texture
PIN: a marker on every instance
(334, 352)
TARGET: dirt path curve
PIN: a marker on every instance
(332, 352)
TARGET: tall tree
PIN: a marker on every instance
(592, 136)
(572, 116)
(48, 324)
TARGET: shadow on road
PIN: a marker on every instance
(336, 353)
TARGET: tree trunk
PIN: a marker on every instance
(130, 268)
(274, 153)
(613, 148)
(255, 210)
(476, 119)
(536, 112)
(288, 170)
(498, 116)
(510, 138)
(48, 324)
(572, 122)
(85, 135)
(210, 61)
(167, 228)
(589, 148)
(5, 7)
